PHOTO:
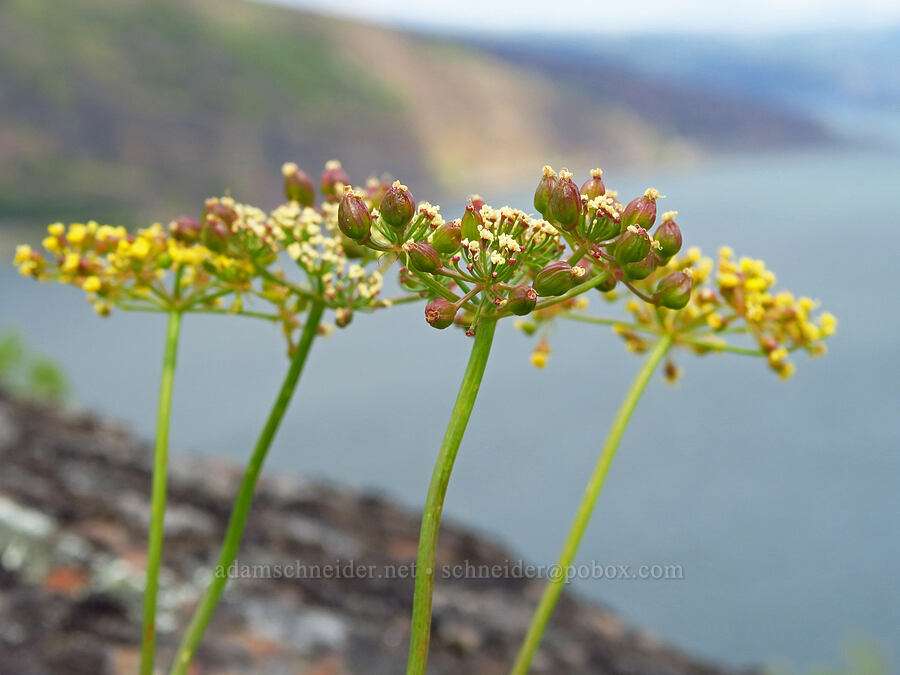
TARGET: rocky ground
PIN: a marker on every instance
(73, 515)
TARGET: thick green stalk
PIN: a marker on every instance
(434, 502)
(241, 509)
(158, 490)
(583, 515)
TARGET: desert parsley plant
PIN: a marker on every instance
(174, 270)
(334, 275)
(472, 272)
(494, 263)
(686, 302)
(221, 263)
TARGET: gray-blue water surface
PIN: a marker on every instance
(778, 499)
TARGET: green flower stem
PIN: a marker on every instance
(602, 321)
(577, 290)
(434, 502)
(158, 490)
(576, 257)
(585, 509)
(210, 310)
(643, 296)
(441, 290)
(238, 520)
(402, 300)
(721, 347)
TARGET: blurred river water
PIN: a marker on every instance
(779, 500)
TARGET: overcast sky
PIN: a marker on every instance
(705, 16)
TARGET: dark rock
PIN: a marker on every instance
(73, 512)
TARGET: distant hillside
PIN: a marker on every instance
(715, 118)
(119, 110)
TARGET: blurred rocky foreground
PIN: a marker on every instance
(73, 514)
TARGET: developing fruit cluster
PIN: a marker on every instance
(492, 263)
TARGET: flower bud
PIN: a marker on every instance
(641, 210)
(423, 258)
(674, 291)
(633, 246)
(555, 279)
(185, 229)
(439, 313)
(565, 202)
(477, 202)
(398, 206)
(354, 218)
(668, 235)
(471, 223)
(522, 300)
(334, 178)
(298, 187)
(447, 238)
(354, 250)
(542, 193)
(464, 318)
(593, 186)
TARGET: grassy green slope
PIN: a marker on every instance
(115, 105)
(133, 109)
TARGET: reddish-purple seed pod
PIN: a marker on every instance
(439, 313)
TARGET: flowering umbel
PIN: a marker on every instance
(491, 263)
(699, 308)
(228, 258)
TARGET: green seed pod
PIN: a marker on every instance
(565, 202)
(353, 249)
(471, 223)
(298, 187)
(439, 313)
(542, 193)
(447, 238)
(593, 186)
(609, 280)
(334, 178)
(522, 300)
(633, 246)
(641, 210)
(398, 206)
(641, 269)
(556, 278)
(423, 258)
(674, 291)
(668, 235)
(464, 318)
(354, 218)
(215, 234)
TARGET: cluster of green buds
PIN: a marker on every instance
(492, 263)
(615, 239)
